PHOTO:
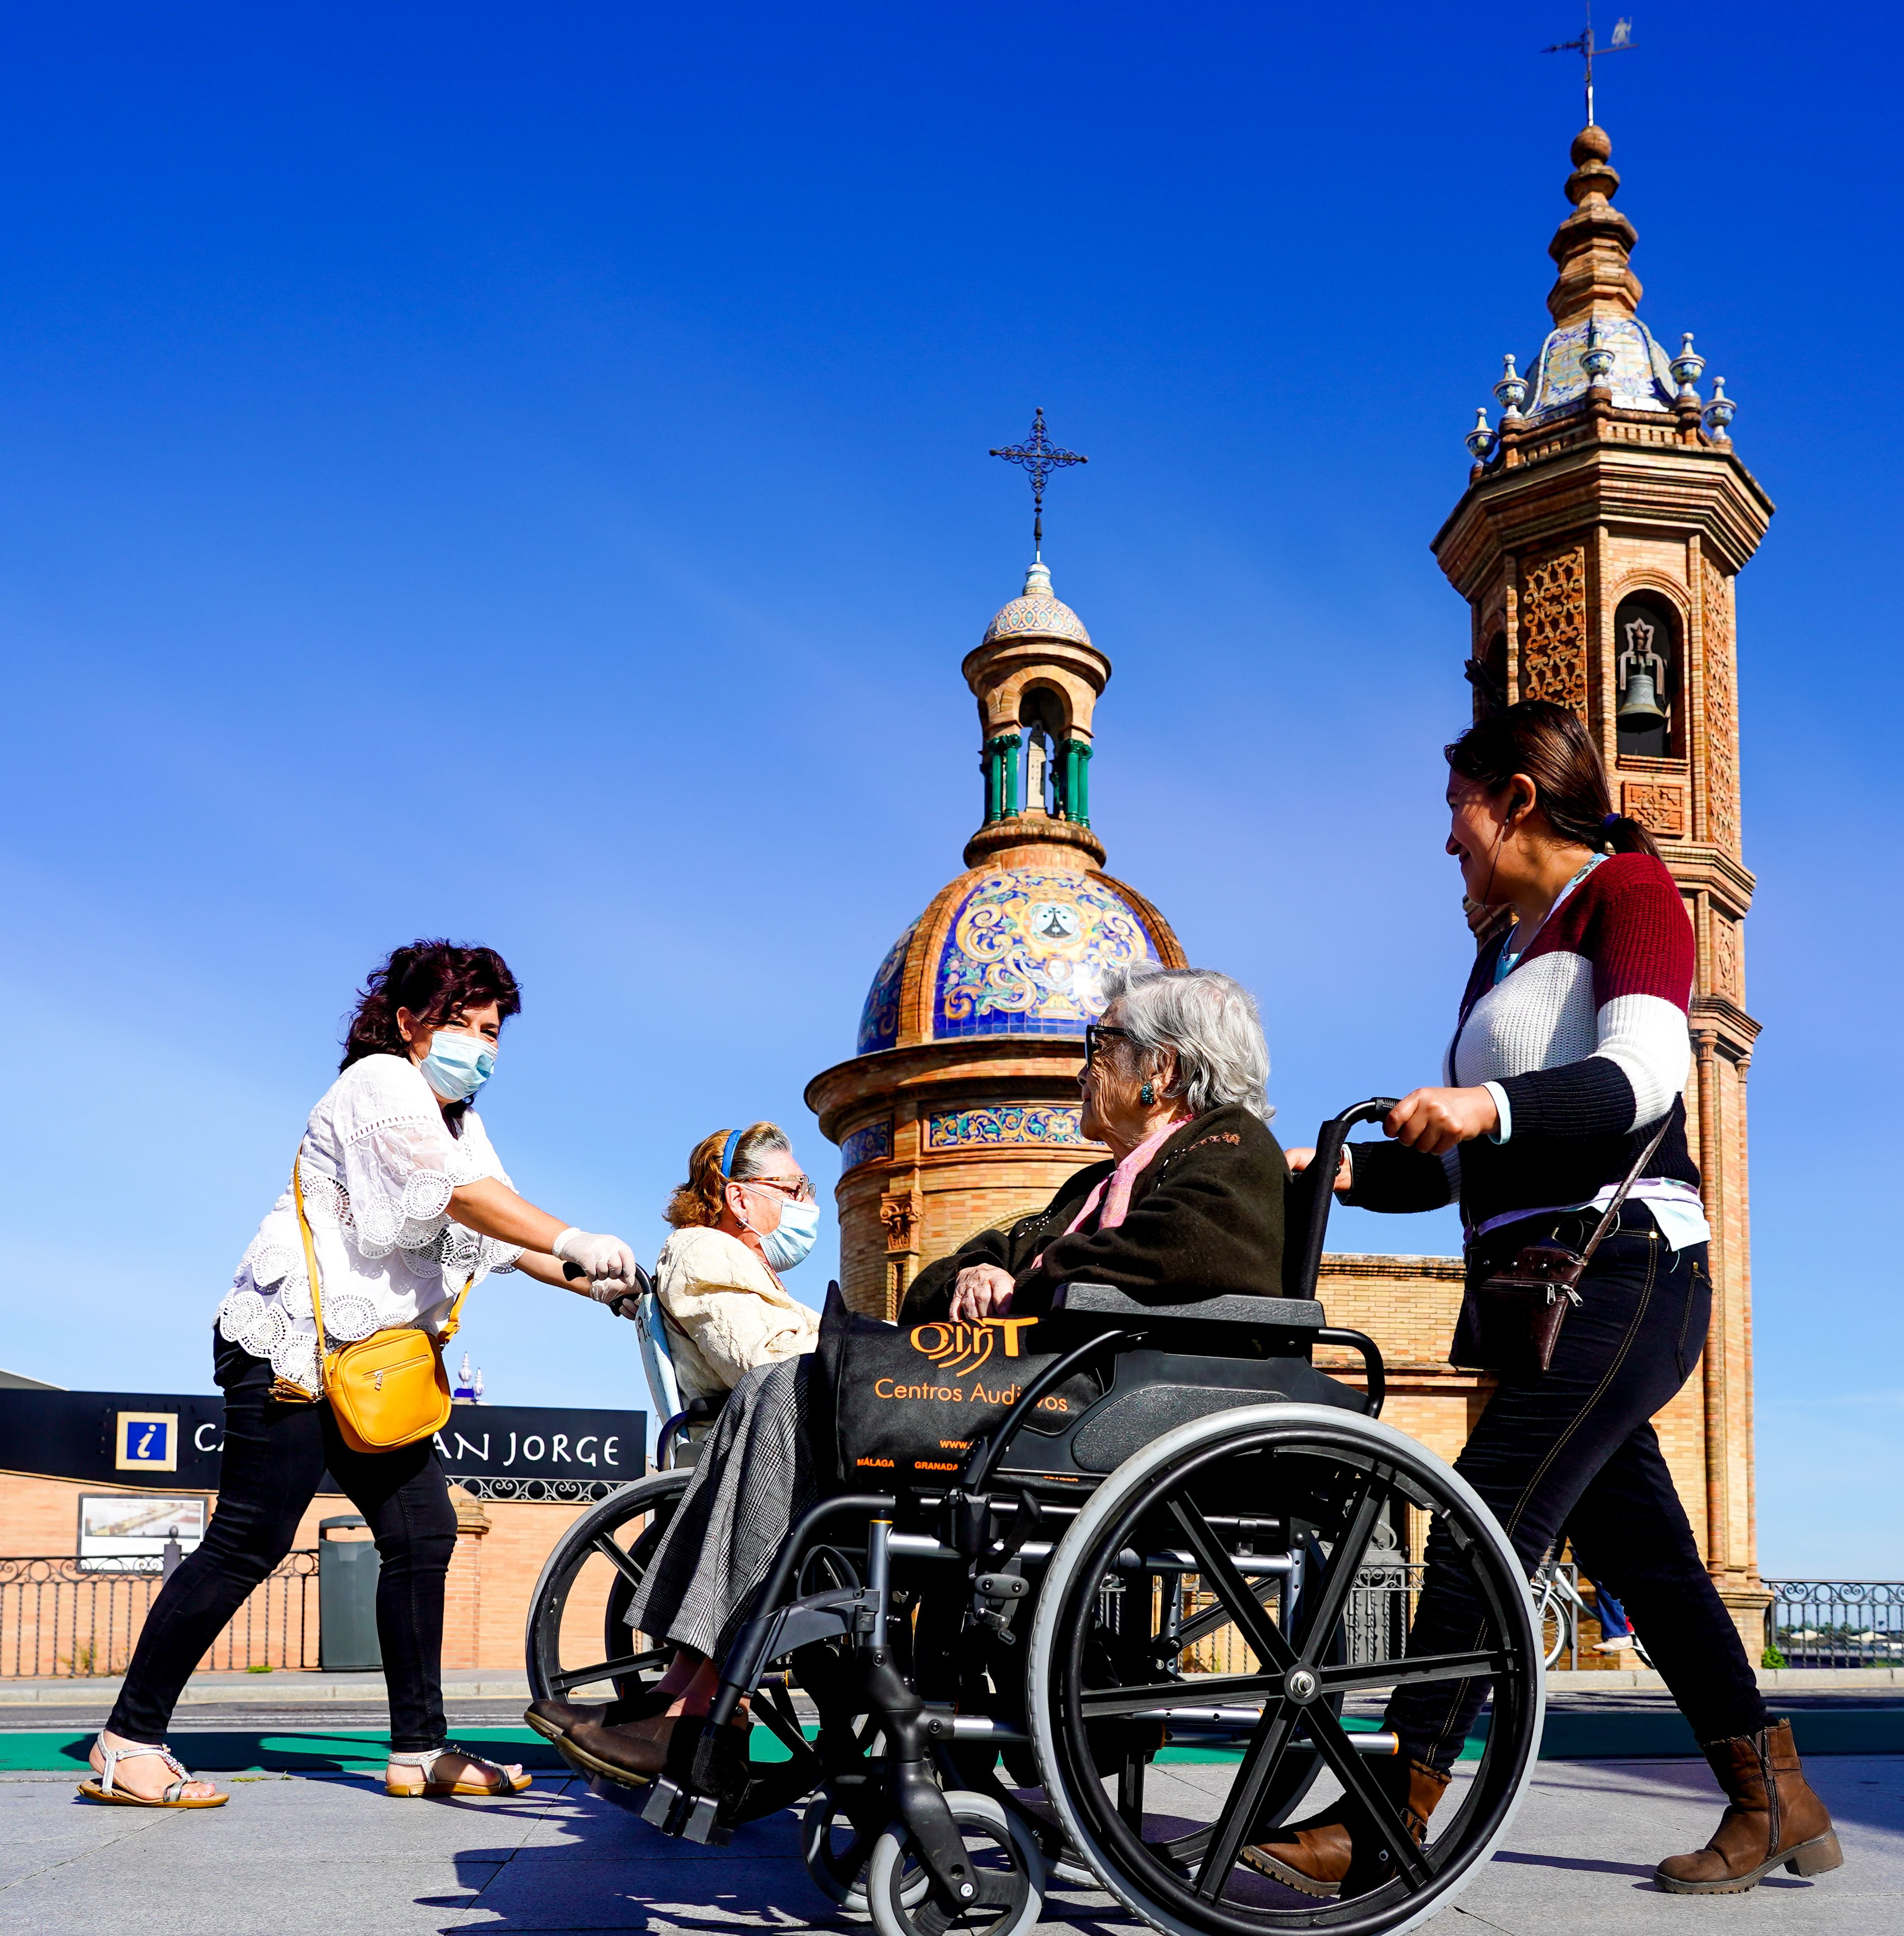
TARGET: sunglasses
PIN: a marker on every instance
(1094, 1033)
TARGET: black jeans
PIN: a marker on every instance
(274, 1456)
(1573, 1454)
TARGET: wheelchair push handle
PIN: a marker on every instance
(1322, 1166)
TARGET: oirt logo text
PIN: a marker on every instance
(960, 1348)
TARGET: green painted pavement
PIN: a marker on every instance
(1623, 1733)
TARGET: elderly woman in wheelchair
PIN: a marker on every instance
(1143, 1571)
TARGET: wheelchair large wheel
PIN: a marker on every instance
(603, 1557)
(1328, 1475)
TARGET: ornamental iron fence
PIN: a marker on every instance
(60, 1621)
(1836, 1622)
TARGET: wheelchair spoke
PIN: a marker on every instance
(1193, 1630)
(1332, 1744)
(1207, 1690)
(1183, 1848)
(1233, 1827)
(560, 1683)
(619, 1558)
(1423, 1666)
(1319, 1616)
(1223, 1579)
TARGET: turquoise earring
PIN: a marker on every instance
(1145, 1095)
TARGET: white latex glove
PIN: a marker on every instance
(606, 1262)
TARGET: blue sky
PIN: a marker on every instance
(519, 472)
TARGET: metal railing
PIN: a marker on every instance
(1381, 1604)
(1836, 1622)
(58, 1621)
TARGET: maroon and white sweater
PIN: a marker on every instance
(1584, 1047)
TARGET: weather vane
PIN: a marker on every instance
(1040, 457)
(1622, 43)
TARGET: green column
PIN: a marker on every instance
(1076, 767)
(1002, 777)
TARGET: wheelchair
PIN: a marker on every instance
(1114, 1650)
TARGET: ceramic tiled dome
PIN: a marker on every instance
(1037, 613)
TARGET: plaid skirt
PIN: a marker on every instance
(754, 1477)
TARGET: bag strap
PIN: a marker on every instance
(451, 1324)
(1613, 1210)
(310, 1258)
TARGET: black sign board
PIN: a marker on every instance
(171, 1441)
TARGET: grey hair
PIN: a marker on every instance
(756, 1145)
(1212, 1023)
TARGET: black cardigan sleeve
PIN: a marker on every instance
(1387, 1176)
(929, 1295)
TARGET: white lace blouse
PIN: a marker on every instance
(379, 1163)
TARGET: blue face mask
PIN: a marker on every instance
(457, 1066)
(788, 1243)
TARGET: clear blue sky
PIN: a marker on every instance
(519, 472)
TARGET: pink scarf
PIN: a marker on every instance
(1114, 1192)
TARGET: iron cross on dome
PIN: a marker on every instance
(1040, 457)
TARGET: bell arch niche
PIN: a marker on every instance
(1649, 659)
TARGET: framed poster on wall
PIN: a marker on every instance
(127, 1532)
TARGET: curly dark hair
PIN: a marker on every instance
(436, 981)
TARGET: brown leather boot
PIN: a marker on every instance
(1772, 1817)
(1313, 1855)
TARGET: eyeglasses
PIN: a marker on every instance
(801, 1192)
(1094, 1033)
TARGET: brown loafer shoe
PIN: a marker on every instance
(1772, 1816)
(632, 1755)
(553, 1719)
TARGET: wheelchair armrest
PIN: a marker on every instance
(1274, 1314)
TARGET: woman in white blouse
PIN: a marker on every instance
(745, 1213)
(407, 1201)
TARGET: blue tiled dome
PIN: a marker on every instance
(1641, 378)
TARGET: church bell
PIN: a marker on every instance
(1640, 706)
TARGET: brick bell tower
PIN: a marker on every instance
(1606, 519)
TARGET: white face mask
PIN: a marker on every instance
(457, 1066)
(788, 1243)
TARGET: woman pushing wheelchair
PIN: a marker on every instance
(1189, 1204)
(1563, 1097)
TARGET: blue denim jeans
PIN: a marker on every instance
(1573, 1454)
(274, 1456)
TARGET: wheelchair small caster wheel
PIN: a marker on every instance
(836, 1854)
(1008, 1877)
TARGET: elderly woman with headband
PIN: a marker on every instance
(745, 1213)
(1189, 1204)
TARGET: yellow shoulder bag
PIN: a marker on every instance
(386, 1390)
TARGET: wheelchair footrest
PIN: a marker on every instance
(675, 1810)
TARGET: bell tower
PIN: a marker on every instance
(1605, 521)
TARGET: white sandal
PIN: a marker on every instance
(505, 1783)
(103, 1786)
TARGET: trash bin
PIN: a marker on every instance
(347, 1572)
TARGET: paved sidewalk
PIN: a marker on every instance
(294, 1857)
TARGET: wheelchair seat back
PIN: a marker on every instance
(657, 1357)
(1201, 1356)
